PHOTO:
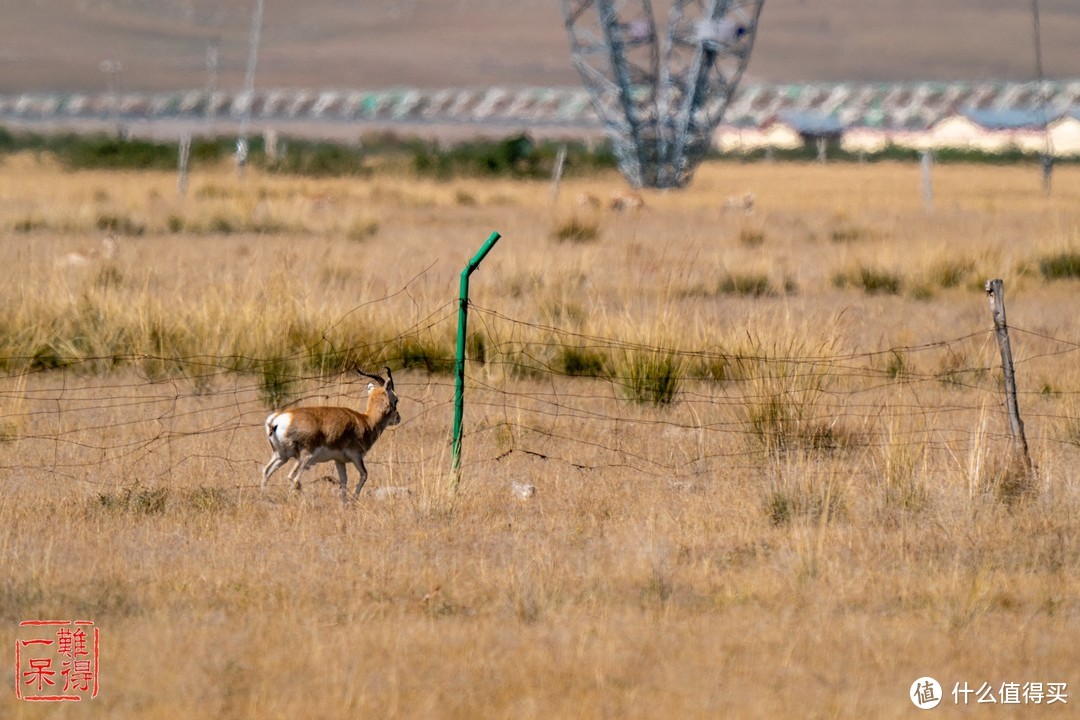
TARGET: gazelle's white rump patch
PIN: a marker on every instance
(278, 424)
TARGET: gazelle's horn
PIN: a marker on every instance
(376, 378)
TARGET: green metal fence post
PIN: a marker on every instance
(459, 389)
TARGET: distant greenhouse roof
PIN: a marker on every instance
(1008, 119)
(886, 105)
(812, 123)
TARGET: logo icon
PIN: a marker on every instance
(925, 693)
(57, 660)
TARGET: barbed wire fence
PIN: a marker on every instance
(742, 406)
(589, 403)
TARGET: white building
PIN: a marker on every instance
(1065, 134)
(776, 135)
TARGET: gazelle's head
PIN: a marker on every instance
(381, 397)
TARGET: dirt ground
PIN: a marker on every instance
(162, 45)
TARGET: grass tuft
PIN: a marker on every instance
(1060, 267)
(120, 224)
(870, 280)
(277, 382)
(576, 230)
(580, 361)
(951, 273)
(805, 491)
(651, 376)
(362, 229)
(751, 238)
(789, 386)
(426, 354)
(749, 285)
(136, 500)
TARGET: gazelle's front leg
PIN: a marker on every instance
(343, 480)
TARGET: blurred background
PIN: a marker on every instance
(162, 45)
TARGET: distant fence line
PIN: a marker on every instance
(915, 105)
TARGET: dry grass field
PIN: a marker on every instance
(770, 451)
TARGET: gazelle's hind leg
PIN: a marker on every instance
(302, 464)
(272, 467)
(358, 461)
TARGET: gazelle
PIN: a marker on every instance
(110, 246)
(321, 434)
(621, 201)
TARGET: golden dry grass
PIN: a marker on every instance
(805, 530)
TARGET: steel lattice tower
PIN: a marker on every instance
(661, 98)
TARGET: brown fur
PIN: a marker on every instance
(327, 433)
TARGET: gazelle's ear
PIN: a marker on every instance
(370, 387)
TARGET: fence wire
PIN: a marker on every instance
(587, 402)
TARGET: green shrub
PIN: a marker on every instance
(746, 286)
(107, 153)
(175, 224)
(223, 225)
(47, 357)
(426, 354)
(318, 159)
(120, 225)
(8, 142)
(1059, 267)
(517, 156)
(360, 230)
(580, 361)
(870, 280)
(208, 152)
(277, 380)
(879, 281)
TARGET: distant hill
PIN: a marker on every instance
(162, 44)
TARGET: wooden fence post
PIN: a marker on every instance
(182, 163)
(995, 289)
(556, 173)
(927, 165)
